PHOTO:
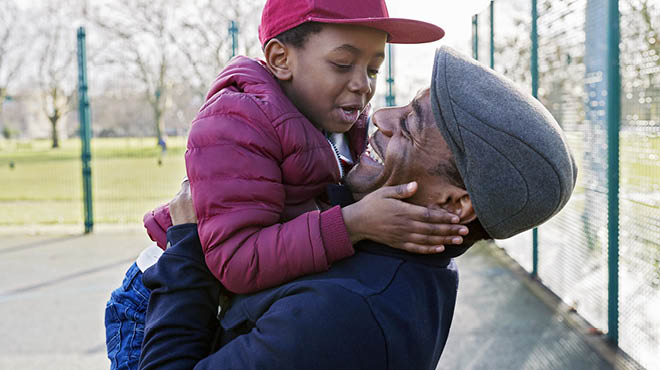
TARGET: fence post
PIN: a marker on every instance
(535, 92)
(475, 36)
(492, 34)
(233, 32)
(390, 99)
(85, 131)
(613, 107)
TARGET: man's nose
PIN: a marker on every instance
(360, 83)
(385, 119)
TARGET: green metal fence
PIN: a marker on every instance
(43, 189)
(122, 178)
(601, 254)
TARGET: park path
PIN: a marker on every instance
(53, 291)
(504, 320)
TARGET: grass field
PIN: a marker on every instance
(41, 185)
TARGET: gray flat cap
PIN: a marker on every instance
(508, 148)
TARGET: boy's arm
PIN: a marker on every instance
(235, 169)
(181, 316)
(157, 222)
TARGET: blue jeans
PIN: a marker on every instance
(124, 321)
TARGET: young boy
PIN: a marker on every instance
(270, 137)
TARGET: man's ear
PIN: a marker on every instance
(460, 204)
(465, 209)
(278, 59)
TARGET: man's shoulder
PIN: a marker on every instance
(371, 273)
(363, 274)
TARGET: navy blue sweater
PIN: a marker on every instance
(380, 309)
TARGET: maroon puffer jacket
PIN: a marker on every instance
(252, 160)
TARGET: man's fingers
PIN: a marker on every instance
(185, 186)
(433, 240)
(422, 249)
(449, 230)
(436, 216)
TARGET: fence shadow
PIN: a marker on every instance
(39, 243)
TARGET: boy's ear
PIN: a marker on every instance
(278, 59)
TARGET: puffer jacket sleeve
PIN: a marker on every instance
(233, 163)
(157, 222)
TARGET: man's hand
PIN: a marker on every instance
(182, 210)
(384, 218)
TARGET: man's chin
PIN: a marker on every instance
(359, 184)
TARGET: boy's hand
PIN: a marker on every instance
(182, 210)
(382, 217)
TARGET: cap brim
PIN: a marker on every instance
(400, 30)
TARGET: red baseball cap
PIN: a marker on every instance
(282, 15)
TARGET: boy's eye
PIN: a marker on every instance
(373, 73)
(342, 67)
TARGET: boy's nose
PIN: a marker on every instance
(360, 83)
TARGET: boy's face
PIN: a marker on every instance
(333, 76)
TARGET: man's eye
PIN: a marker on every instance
(373, 73)
(404, 127)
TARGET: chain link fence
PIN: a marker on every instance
(573, 247)
(42, 187)
(639, 279)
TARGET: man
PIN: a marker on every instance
(475, 145)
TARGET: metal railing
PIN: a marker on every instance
(601, 254)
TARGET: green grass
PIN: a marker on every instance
(639, 164)
(44, 185)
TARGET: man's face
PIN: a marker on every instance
(334, 74)
(407, 147)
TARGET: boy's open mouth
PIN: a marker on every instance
(350, 114)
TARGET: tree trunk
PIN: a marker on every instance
(160, 125)
(158, 107)
(3, 95)
(55, 135)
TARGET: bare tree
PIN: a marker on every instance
(138, 43)
(642, 23)
(12, 48)
(55, 58)
(160, 44)
(205, 42)
(640, 58)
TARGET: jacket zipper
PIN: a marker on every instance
(337, 158)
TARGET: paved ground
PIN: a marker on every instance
(53, 291)
(52, 298)
(500, 323)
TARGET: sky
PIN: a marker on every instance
(413, 63)
(452, 15)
